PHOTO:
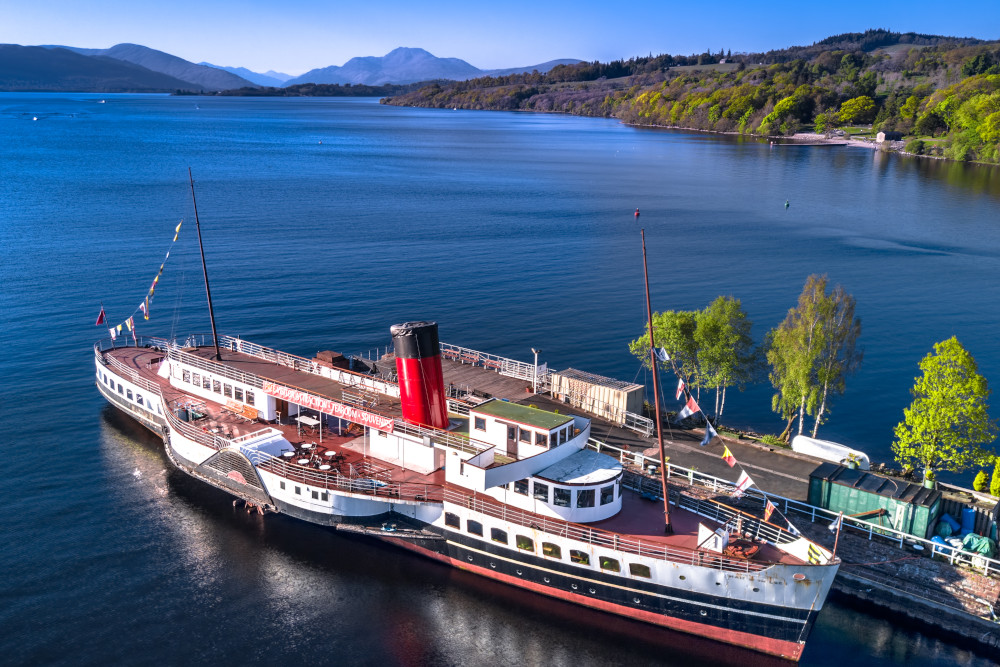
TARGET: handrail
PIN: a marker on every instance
(602, 538)
(502, 365)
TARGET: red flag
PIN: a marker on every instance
(100, 318)
(768, 510)
(690, 408)
(680, 389)
(728, 457)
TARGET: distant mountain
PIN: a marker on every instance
(36, 68)
(269, 78)
(207, 78)
(542, 68)
(405, 65)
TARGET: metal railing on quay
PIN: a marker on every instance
(955, 556)
(602, 538)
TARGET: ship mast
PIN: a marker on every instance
(204, 268)
(667, 528)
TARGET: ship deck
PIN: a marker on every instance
(345, 451)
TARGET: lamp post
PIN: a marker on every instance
(534, 385)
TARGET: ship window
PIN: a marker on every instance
(561, 497)
(525, 436)
(542, 491)
(542, 439)
(238, 393)
(196, 379)
(474, 527)
(610, 564)
(324, 496)
(525, 543)
(551, 550)
(581, 557)
(216, 386)
(521, 486)
(250, 397)
(315, 495)
(637, 570)
(498, 535)
(186, 375)
(128, 394)
(121, 389)
(158, 410)
(298, 490)
(281, 484)
(206, 382)
(585, 498)
(138, 399)
(480, 423)
(227, 390)
(608, 495)
(452, 520)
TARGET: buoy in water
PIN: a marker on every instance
(34, 118)
(637, 213)
(787, 204)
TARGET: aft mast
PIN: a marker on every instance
(667, 528)
(204, 268)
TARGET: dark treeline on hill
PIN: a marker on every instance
(328, 90)
(942, 93)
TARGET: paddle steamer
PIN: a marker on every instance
(495, 487)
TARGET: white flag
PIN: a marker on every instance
(543, 369)
(680, 389)
(662, 355)
(742, 484)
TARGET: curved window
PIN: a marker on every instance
(561, 497)
(452, 520)
(610, 564)
(581, 557)
(551, 550)
(637, 570)
(608, 495)
(525, 543)
(128, 393)
(521, 486)
(474, 527)
(585, 498)
(498, 535)
(542, 491)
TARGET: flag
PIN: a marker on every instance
(144, 307)
(838, 524)
(689, 409)
(680, 389)
(662, 355)
(100, 318)
(119, 328)
(112, 332)
(543, 369)
(709, 434)
(130, 323)
(178, 230)
(768, 510)
(792, 529)
(728, 457)
(742, 484)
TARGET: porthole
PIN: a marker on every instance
(493, 565)
(470, 559)
(636, 600)
(703, 612)
(592, 591)
(718, 583)
(518, 572)
(682, 577)
(546, 579)
(756, 590)
(799, 577)
(573, 586)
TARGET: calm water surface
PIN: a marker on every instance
(325, 221)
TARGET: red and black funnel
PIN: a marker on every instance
(421, 383)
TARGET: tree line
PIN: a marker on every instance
(808, 358)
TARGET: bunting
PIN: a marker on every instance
(769, 510)
(742, 484)
(728, 457)
(680, 389)
(710, 435)
(144, 305)
(690, 408)
(662, 355)
(792, 529)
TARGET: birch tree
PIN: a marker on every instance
(726, 353)
(840, 355)
(674, 331)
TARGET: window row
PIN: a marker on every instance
(561, 497)
(224, 388)
(127, 393)
(316, 495)
(549, 550)
(528, 436)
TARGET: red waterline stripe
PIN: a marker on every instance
(776, 647)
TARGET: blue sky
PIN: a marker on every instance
(297, 35)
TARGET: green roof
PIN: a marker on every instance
(522, 414)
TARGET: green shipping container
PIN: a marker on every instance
(909, 508)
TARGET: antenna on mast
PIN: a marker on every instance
(667, 528)
(204, 268)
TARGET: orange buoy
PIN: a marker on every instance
(637, 213)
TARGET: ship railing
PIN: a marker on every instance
(458, 407)
(457, 441)
(502, 365)
(601, 538)
(791, 507)
(333, 480)
(124, 371)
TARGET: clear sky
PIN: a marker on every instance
(294, 36)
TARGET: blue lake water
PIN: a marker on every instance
(325, 221)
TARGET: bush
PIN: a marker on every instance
(773, 441)
(995, 482)
(982, 482)
(916, 146)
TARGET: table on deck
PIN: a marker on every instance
(311, 422)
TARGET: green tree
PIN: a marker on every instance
(995, 480)
(793, 350)
(982, 482)
(726, 353)
(840, 355)
(948, 421)
(674, 331)
(857, 110)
